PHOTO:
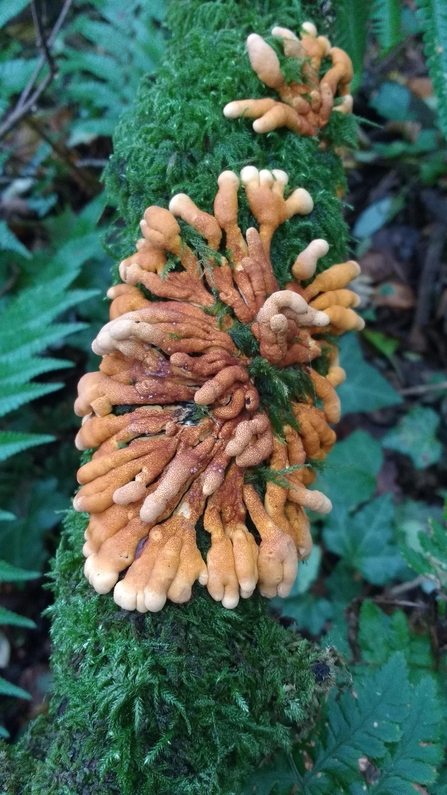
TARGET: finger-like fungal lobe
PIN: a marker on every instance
(215, 393)
(306, 101)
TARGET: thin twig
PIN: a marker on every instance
(41, 62)
(41, 40)
(92, 162)
(25, 101)
(400, 603)
(407, 586)
(422, 388)
(429, 273)
(19, 113)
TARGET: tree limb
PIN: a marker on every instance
(28, 99)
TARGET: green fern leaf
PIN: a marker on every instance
(279, 778)
(12, 397)
(8, 689)
(27, 316)
(417, 561)
(28, 329)
(435, 544)
(413, 760)
(10, 10)
(9, 573)
(9, 242)
(380, 635)
(14, 620)
(350, 33)
(12, 442)
(7, 516)
(430, 559)
(362, 725)
(387, 720)
(22, 370)
(386, 19)
(28, 341)
(433, 17)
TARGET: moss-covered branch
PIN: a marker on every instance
(189, 700)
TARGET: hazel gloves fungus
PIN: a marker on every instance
(190, 451)
(175, 414)
(306, 100)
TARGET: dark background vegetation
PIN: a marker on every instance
(375, 584)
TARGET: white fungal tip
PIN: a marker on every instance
(249, 174)
(309, 29)
(280, 176)
(231, 111)
(303, 200)
(176, 203)
(266, 177)
(228, 177)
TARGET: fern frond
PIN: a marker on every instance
(435, 543)
(29, 340)
(9, 573)
(8, 689)
(28, 329)
(362, 725)
(433, 17)
(8, 240)
(26, 319)
(430, 559)
(386, 21)
(13, 396)
(131, 46)
(415, 756)
(395, 725)
(12, 442)
(8, 617)
(23, 370)
(350, 33)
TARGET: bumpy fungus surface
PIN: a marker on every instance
(176, 413)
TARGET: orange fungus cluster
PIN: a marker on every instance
(175, 416)
(306, 100)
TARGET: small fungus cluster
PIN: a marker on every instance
(307, 103)
(174, 413)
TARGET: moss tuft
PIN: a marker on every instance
(278, 388)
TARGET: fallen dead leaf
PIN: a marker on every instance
(393, 295)
(421, 87)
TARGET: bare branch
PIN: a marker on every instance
(28, 97)
(41, 41)
(41, 63)
(423, 388)
(18, 113)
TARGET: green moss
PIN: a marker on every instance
(278, 388)
(179, 141)
(243, 338)
(184, 701)
(260, 475)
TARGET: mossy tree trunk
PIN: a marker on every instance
(189, 700)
